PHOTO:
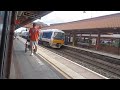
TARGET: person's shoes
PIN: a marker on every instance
(31, 54)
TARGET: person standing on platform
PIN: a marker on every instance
(34, 36)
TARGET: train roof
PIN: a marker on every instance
(55, 30)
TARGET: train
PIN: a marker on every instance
(24, 34)
(54, 38)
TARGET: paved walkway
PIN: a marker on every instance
(25, 66)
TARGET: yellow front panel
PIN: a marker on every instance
(58, 41)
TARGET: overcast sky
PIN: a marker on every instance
(68, 16)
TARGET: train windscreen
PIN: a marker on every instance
(59, 35)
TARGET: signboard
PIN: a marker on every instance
(71, 39)
(93, 41)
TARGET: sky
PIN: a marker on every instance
(69, 16)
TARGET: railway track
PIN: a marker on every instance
(105, 66)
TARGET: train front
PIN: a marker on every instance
(58, 39)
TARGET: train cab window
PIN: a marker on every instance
(59, 35)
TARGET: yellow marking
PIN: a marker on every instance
(58, 41)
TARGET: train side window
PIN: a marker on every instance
(47, 35)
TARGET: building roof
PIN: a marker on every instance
(108, 21)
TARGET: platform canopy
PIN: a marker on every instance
(25, 17)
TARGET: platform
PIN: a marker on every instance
(69, 68)
(24, 66)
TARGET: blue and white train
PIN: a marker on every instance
(52, 37)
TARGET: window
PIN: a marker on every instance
(1, 23)
(47, 35)
(59, 35)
